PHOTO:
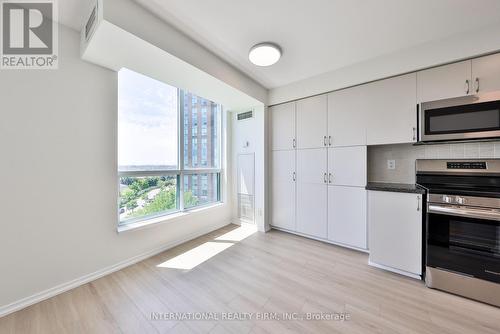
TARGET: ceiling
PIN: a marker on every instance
(316, 36)
(73, 13)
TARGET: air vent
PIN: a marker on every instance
(245, 115)
(246, 208)
(91, 23)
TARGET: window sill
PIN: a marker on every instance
(164, 219)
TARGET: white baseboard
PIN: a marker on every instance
(236, 221)
(322, 240)
(46, 294)
(397, 271)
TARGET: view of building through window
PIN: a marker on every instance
(152, 179)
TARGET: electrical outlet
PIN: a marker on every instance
(391, 164)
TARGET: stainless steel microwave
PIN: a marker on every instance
(462, 118)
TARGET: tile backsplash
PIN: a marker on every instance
(406, 154)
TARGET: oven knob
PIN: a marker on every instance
(460, 200)
(446, 199)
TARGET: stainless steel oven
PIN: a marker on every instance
(462, 118)
(463, 227)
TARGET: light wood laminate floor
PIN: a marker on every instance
(271, 274)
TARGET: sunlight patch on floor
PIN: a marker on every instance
(196, 256)
(238, 234)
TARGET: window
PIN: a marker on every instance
(158, 172)
(200, 189)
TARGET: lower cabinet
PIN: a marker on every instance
(316, 192)
(395, 231)
(312, 209)
(312, 192)
(347, 216)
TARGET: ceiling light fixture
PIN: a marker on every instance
(264, 54)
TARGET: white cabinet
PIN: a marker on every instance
(283, 189)
(444, 82)
(312, 122)
(312, 192)
(347, 216)
(347, 166)
(395, 231)
(393, 110)
(479, 75)
(382, 112)
(347, 113)
(486, 74)
(283, 126)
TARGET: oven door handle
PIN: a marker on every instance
(492, 214)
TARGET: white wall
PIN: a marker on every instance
(58, 201)
(458, 47)
(253, 132)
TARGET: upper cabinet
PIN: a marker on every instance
(380, 112)
(347, 112)
(444, 82)
(283, 126)
(486, 74)
(311, 122)
(392, 116)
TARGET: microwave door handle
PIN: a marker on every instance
(465, 212)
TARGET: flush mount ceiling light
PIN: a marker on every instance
(264, 54)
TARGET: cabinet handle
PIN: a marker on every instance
(477, 85)
(418, 203)
(294, 143)
(324, 140)
(294, 176)
(330, 140)
(325, 178)
(414, 133)
(467, 86)
(330, 178)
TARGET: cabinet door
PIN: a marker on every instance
(395, 230)
(283, 126)
(312, 192)
(347, 166)
(347, 112)
(486, 74)
(311, 122)
(347, 215)
(444, 82)
(283, 189)
(393, 110)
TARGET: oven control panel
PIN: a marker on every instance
(466, 165)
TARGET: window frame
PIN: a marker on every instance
(181, 171)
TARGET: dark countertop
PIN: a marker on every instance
(395, 187)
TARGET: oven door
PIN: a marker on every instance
(462, 118)
(464, 240)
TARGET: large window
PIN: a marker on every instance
(168, 151)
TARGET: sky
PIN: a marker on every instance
(147, 118)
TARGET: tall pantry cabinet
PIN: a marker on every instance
(283, 169)
(318, 189)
